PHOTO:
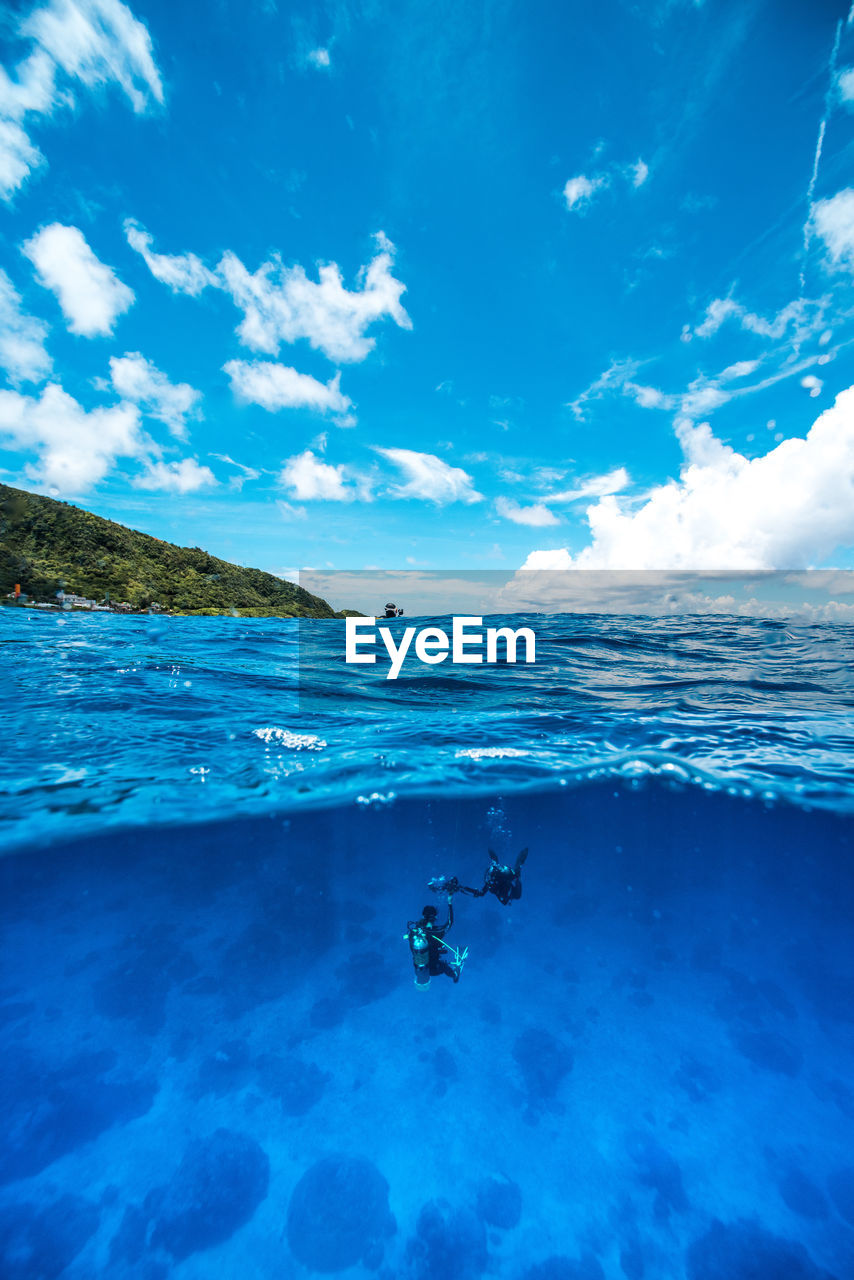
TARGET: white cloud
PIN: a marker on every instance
(289, 512)
(786, 509)
(96, 43)
(579, 191)
(639, 173)
(537, 515)
(137, 379)
(319, 58)
(718, 311)
(648, 397)
(89, 292)
(703, 397)
(75, 448)
(22, 337)
(99, 42)
(618, 375)
(845, 84)
(833, 220)
(182, 272)
(427, 476)
(185, 476)
(559, 558)
(309, 479)
(18, 157)
(280, 304)
(803, 315)
(704, 394)
(546, 583)
(33, 88)
(812, 384)
(594, 487)
(275, 386)
(244, 473)
(741, 369)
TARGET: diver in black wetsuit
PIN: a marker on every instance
(503, 881)
(425, 942)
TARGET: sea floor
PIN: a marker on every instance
(217, 1064)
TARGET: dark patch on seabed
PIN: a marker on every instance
(217, 1063)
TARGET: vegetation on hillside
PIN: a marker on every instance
(48, 546)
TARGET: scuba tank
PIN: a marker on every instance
(420, 948)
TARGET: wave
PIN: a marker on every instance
(137, 721)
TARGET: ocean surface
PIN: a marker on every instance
(216, 1061)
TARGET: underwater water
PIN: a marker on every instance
(216, 1061)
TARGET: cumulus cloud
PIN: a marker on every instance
(845, 84)
(833, 221)
(275, 386)
(429, 477)
(788, 508)
(319, 58)
(546, 559)
(93, 43)
(140, 381)
(537, 515)
(309, 479)
(185, 476)
(182, 272)
(75, 448)
(579, 191)
(282, 304)
(546, 582)
(22, 337)
(648, 397)
(89, 292)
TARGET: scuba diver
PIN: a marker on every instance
(503, 881)
(425, 938)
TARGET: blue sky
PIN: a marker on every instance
(435, 285)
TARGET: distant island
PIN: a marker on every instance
(55, 555)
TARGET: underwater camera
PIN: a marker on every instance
(444, 884)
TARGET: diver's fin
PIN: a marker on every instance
(460, 957)
(521, 859)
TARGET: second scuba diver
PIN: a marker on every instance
(504, 881)
(425, 938)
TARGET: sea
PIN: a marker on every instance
(217, 1064)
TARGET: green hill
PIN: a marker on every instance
(48, 546)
